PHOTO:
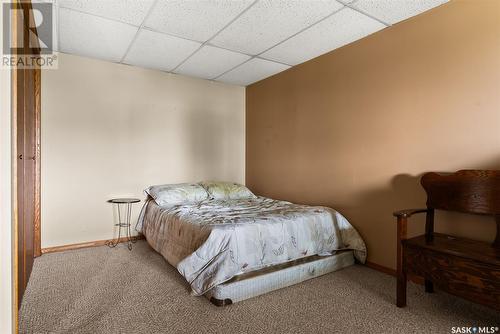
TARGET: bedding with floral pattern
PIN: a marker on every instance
(214, 240)
(174, 194)
(226, 190)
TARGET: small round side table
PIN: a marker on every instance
(123, 223)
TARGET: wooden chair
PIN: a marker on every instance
(463, 267)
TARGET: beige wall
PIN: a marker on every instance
(111, 130)
(354, 129)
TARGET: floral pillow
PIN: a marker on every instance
(175, 194)
(226, 190)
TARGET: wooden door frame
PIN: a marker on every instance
(37, 240)
(25, 4)
(37, 85)
(15, 223)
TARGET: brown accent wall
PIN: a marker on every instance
(355, 129)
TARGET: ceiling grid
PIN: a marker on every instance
(237, 42)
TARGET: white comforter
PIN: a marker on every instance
(212, 241)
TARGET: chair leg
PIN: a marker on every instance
(401, 290)
(401, 272)
(429, 287)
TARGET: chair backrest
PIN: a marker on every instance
(468, 191)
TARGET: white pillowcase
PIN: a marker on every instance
(226, 190)
(175, 194)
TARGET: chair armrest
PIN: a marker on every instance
(409, 212)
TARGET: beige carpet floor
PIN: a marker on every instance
(102, 290)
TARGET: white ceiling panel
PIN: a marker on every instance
(207, 38)
(128, 11)
(93, 36)
(340, 29)
(210, 62)
(197, 20)
(392, 11)
(268, 22)
(252, 71)
(159, 51)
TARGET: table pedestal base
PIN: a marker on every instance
(123, 224)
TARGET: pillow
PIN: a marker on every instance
(226, 190)
(175, 194)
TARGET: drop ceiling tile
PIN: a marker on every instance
(197, 20)
(268, 22)
(159, 51)
(210, 62)
(391, 11)
(252, 71)
(92, 36)
(340, 29)
(128, 11)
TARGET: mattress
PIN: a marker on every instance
(212, 241)
(273, 278)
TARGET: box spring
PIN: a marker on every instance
(262, 281)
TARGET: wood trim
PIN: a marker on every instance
(389, 271)
(378, 267)
(15, 220)
(37, 240)
(81, 245)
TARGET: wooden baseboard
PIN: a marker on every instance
(392, 272)
(378, 267)
(83, 245)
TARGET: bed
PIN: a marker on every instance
(233, 247)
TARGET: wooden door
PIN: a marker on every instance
(26, 174)
(26, 92)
